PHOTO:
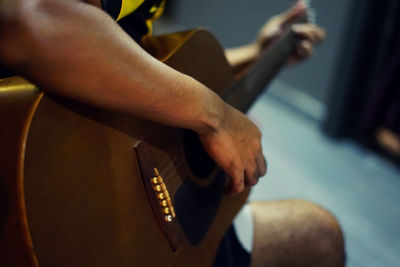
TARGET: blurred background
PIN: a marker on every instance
(330, 125)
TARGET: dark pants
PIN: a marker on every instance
(231, 253)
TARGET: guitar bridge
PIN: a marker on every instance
(162, 194)
(158, 195)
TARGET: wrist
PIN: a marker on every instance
(214, 113)
(209, 110)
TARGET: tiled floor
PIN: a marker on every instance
(360, 188)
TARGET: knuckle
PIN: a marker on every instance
(258, 132)
(256, 143)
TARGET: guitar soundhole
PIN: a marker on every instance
(197, 158)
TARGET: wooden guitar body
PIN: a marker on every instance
(73, 177)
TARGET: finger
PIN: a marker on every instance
(251, 175)
(304, 49)
(261, 164)
(320, 33)
(305, 32)
(293, 13)
(236, 183)
(309, 32)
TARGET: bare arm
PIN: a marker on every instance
(76, 50)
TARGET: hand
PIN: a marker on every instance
(236, 148)
(308, 34)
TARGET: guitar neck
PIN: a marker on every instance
(244, 91)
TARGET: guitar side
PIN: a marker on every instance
(73, 182)
(17, 100)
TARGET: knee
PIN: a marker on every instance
(323, 234)
(306, 233)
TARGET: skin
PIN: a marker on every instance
(46, 42)
(55, 44)
(295, 233)
(42, 39)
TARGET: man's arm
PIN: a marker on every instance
(75, 49)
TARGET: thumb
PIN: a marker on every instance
(293, 13)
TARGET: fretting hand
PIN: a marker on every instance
(308, 33)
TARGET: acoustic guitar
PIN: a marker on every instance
(82, 186)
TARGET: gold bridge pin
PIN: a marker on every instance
(163, 195)
(157, 188)
(164, 203)
(166, 210)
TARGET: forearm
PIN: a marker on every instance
(78, 51)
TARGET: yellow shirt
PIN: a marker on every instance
(139, 14)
